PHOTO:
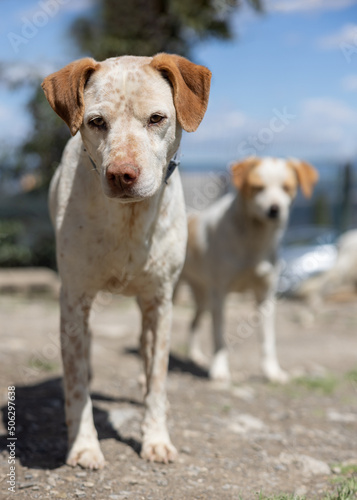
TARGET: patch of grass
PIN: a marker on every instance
(340, 480)
(226, 408)
(349, 469)
(280, 496)
(326, 384)
(347, 490)
(42, 365)
(352, 376)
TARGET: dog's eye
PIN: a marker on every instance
(287, 188)
(257, 189)
(156, 118)
(98, 122)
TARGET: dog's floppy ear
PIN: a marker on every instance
(191, 85)
(307, 175)
(64, 91)
(241, 168)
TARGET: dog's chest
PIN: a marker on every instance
(109, 250)
(252, 277)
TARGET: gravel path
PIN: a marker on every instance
(234, 442)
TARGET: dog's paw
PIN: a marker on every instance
(158, 451)
(219, 370)
(277, 375)
(88, 457)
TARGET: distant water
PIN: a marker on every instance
(328, 168)
(331, 172)
(326, 207)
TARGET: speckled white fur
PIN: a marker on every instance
(134, 247)
(233, 247)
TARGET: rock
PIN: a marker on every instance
(335, 416)
(88, 484)
(308, 465)
(245, 393)
(81, 474)
(162, 482)
(79, 493)
(245, 423)
(22, 486)
(130, 480)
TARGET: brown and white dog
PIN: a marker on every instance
(232, 246)
(120, 223)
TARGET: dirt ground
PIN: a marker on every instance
(298, 439)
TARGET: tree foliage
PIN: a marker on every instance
(43, 150)
(146, 27)
(114, 28)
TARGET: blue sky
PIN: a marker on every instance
(286, 85)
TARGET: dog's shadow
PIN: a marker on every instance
(178, 364)
(40, 424)
(41, 432)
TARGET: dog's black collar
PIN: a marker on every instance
(90, 158)
(174, 162)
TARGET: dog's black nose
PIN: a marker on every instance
(274, 212)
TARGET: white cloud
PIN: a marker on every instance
(328, 111)
(349, 83)
(318, 127)
(290, 6)
(220, 125)
(79, 5)
(17, 74)
(346, 36)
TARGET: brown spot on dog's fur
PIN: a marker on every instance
(77, 395)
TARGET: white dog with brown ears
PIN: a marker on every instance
(120, 223)
(232, 246)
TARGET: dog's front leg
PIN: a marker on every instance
(83, 444)
(155, 345)
(219, 369)
(266, 303)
